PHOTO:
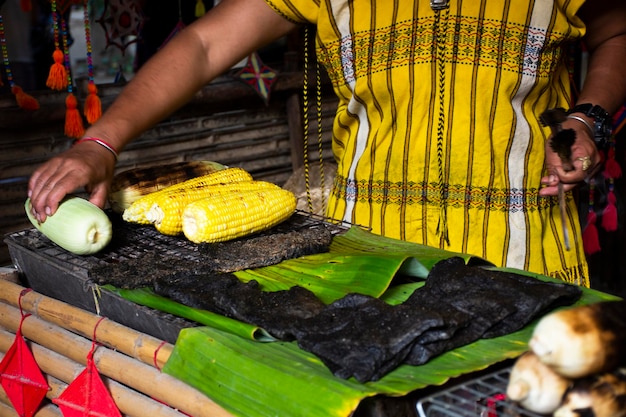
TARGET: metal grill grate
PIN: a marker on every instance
(480, 397)
(132, 241)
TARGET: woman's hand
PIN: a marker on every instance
(584, 162)
(87, 165)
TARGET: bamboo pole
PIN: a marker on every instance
(141, 346)
(119, 367)
(7, 410)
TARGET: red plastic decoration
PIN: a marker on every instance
(21, 377)
(87, 395)
(258, 75)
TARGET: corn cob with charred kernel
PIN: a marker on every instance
(225, 217)
(136, 212)
(130, 185)
(166, 211)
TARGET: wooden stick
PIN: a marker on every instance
(117, 366)
(138, 345)
(7, 410)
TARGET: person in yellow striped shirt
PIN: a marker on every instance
(437, 135)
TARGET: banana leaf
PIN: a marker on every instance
(147, 297)
(331, 276)
(421, 257)
(249, 378)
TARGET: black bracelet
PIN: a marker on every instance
(602, 124)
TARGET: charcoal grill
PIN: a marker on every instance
(482, 396)
(57, 273)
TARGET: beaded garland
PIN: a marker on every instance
(24, 100)
(93, 107)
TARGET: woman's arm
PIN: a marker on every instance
(202, 51)
(604, 85)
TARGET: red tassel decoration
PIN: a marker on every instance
(609, 215)
(73, 122)
(26, 5)
(93, 105)
(591, 240)
(612, 168)
(25, 101)
(57, 77)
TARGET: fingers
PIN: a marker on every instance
(66, 173)
(49, 184)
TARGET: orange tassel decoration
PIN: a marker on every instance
(57, 78)
(73, 122)
(25, 101)
(93, 105)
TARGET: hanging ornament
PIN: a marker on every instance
(64, 5)
(21, 378)
(25, 101)
(26, 5)
(122, 22)
(87, 395)
(200, 9)
(258, 75)
(591, 241)
(73, 121)
(93, 105)
(57, 77)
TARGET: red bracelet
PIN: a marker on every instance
(100, 142)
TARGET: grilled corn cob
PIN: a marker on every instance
(166, 211)
(229, 216)
(136, 212)
(132, 184)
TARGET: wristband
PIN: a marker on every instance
(602, 123)
(590, 128)
(100, 142)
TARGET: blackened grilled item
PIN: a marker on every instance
(265, 250)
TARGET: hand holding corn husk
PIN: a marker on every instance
(77, 226)
(584, 345)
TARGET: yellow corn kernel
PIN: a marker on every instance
(228, 216)
(166, 211)
(136, 212)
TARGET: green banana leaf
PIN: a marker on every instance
(146, 297)
(249, 378)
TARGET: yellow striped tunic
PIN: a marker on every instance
(436, 135)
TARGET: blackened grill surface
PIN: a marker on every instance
(133, 245)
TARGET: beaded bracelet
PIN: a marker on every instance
(100, 142)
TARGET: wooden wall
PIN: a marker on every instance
(226, 122)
